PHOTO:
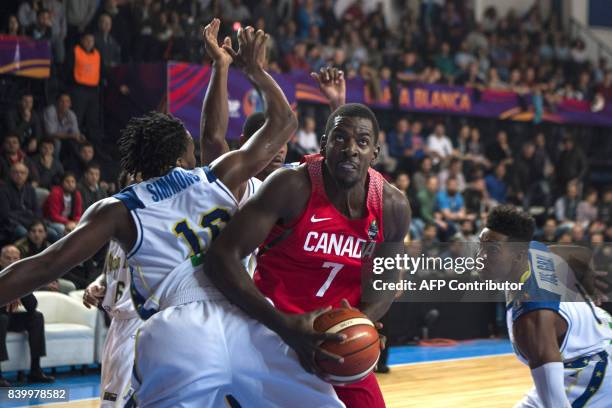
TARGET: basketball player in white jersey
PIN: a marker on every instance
(567, 344)
(174, 213)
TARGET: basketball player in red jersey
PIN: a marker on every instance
(312, 222)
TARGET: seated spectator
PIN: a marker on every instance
(419, 150)
(400, 143)
(25, 123)
(426, 199)
(526, 174)
(444, 61)
(454, 170)
(18, 204)
(409, 70)
(566, 206)
(296, 60)
(572, 163)
(439, 145)
(36, 242)
(79, 164)
(549, 231)
(48, 167)
(306, 138)
(586, 212)
(605, 207)
(472, 77)
(11, 155)
(384, 162)
(31, 321)
(89, 186)
(422, 175)
(62, 126)
(476, 197)
(496, 184)
(64, 206)
(451, 206)
(500, 150)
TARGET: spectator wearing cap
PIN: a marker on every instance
(84, 68)
(89, 186)
(18, 204)
(64, 205)
(30, 320)
(26, 123)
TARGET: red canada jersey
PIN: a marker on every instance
(316, 260)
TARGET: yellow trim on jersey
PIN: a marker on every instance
(182, 235)
(525, 275)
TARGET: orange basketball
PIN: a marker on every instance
(360, 350)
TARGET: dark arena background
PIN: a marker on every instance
(480, 103)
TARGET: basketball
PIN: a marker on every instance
(360, 350)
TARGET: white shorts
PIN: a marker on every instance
(196, 354)
(583, 385)
(118, 360)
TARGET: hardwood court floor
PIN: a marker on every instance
(480, 382)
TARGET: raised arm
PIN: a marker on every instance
(280, 198)
(104, 220)
(214, 117)
(238, 166)
(332, 85)
(537, 336)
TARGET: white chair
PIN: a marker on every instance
(69, 333)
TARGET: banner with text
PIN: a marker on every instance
(24, 56)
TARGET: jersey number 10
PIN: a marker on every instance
(213, 221)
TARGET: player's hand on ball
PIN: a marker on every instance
(251, 55)
(218, 54)
(331, 84)
(378, 325)
(301, 336)
(93, 295)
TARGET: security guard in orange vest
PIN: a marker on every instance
(86, 73)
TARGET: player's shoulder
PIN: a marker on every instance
(294, 177)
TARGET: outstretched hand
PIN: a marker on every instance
(251, 55)
(301, 336)
(218, 54)
(332, 85)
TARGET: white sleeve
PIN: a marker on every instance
(548, 380)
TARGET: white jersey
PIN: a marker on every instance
(117, 301)
(587, 342)
(176, 216)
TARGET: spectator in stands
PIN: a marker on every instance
(296, 60)
(409, 70)
(26, 123)
(11, 155)
(400, 143)
(64, 205)
(235, 11)
(42, 29)
(454, 170)
(36, 242)
(30, 320)
(59, 28)
(89, 186)
(19, 207)
(306, 138)
(84, 69)
(586, 212)
(549, 231)
(384, 163)
(451, 206)
(13, 27)
(444, 62)
(572, 163)
(426, 199)
(265, 10)
(500, 150)
(439, 145)
(472, 77)
(48, 167)
(61, 124)
(109, 48)
(496, 184)
(79, 14)
(567, 205)
(526, 174)
(307, 16)
(476, 197)
(605, 207)
(27, 13)
(422, 175)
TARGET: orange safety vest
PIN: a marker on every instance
(86, 66)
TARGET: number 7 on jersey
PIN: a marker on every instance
(335, 268)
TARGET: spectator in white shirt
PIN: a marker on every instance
(439, 145)
(307, 140)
